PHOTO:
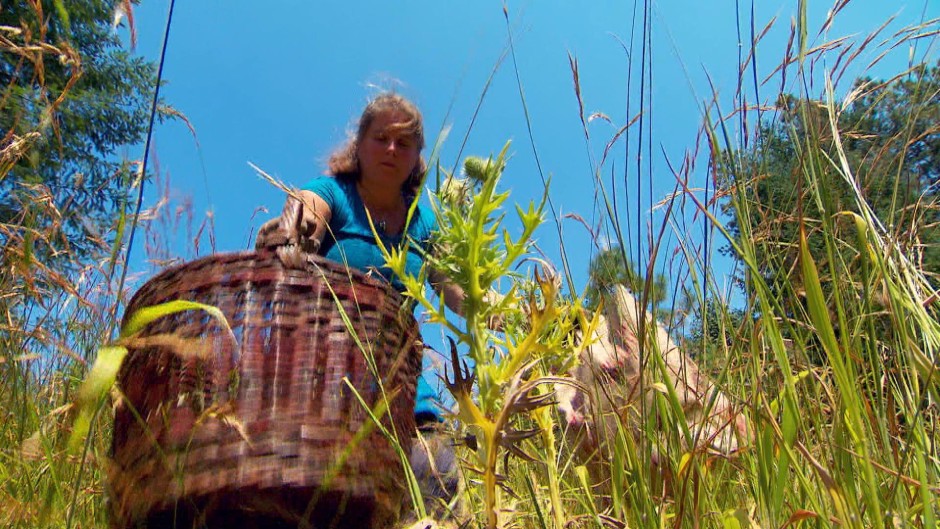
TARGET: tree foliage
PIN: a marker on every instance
(890, 134)
(611, 267)
(72, 97)
(713, 327)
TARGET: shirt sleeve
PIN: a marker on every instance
(327, 188)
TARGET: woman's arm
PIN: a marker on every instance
(314, 216)
(451, 292)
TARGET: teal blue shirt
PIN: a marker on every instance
(350, 239)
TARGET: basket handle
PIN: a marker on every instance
(290, 235)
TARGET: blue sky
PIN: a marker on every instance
(278, 84)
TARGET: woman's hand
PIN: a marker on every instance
(451, 292)
(496, 322)
(454, 295)
(298, 230)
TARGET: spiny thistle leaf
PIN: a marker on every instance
(530, 401)
(511, 438)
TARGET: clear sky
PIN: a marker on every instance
(279, 83)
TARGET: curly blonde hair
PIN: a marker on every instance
(344, 161)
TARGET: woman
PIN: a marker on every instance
(378, 173)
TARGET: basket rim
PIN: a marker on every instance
(355, 274)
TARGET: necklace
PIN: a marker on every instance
(381, 218)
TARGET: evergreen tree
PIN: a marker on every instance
(611, 267)
(891, 138)
(713, 327)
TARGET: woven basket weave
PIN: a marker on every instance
(259, 422)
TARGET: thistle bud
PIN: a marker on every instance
(476, 168)
(454, 191)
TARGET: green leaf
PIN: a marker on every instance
(819, 314)
(103, 373)
(96, 385)
(147, 315)
(802, 28)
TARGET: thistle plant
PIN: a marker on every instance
(501, 399)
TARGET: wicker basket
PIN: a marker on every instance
(261, 424)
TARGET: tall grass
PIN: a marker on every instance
(837, 373)
(846, 404)
(57, 308)
(53, 311)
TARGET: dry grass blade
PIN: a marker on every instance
(576, 78)
(225, 412)
(274, 181)
(185, 348)
(15, 147)
(168, 110)
(125, 8)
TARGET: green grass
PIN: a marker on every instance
(838, 376)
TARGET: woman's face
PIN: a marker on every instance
(388, 152)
